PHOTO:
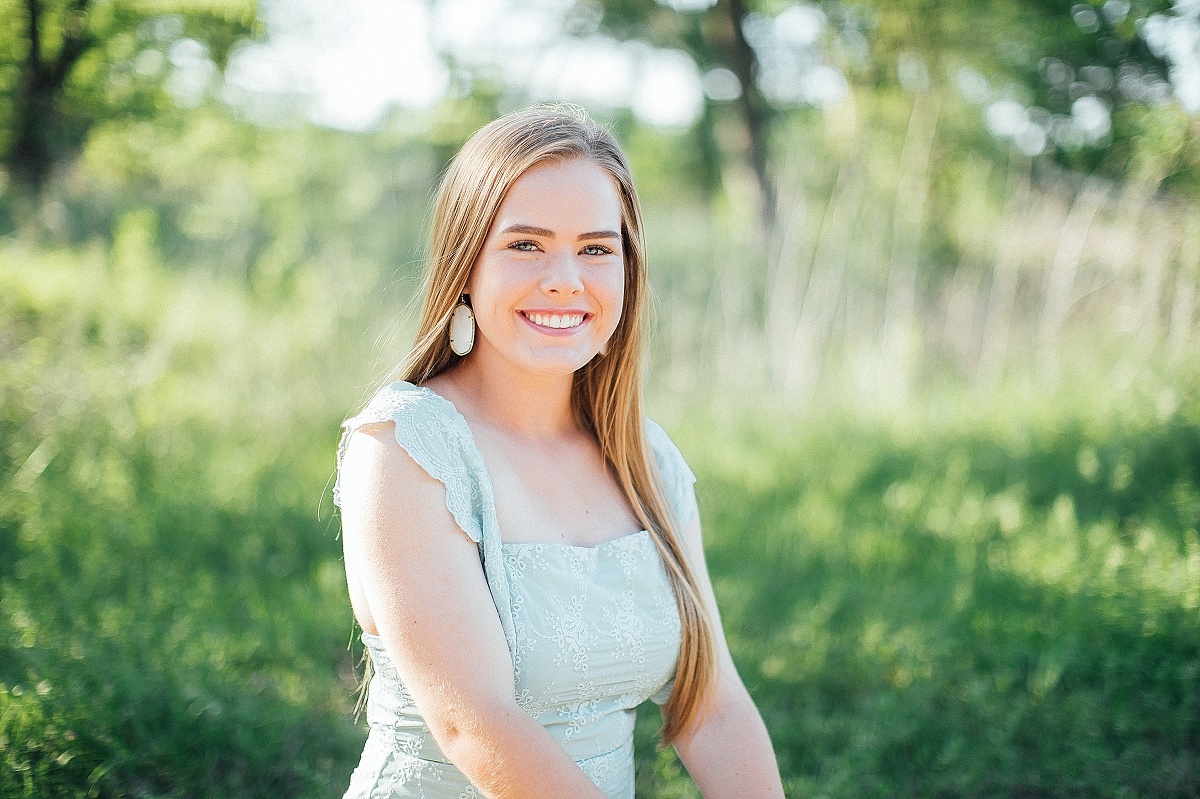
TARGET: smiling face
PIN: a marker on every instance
(548, 286)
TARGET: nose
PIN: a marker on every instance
(563, 277)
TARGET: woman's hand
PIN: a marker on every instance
(729, 755)
(420, 578)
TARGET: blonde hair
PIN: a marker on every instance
(606, 395)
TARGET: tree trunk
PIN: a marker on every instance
(38, 139)
(752, 107)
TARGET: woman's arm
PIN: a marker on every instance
(429, 598)
(729, 755)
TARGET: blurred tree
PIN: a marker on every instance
(272, 206)
(1082, 81)
(464, 110)
(713, 34)
(66, 64)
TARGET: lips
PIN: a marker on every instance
(556, 321)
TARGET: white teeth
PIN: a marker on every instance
(558, 321)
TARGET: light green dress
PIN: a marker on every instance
(593, 631)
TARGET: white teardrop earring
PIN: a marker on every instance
(462, 328)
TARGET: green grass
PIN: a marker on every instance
(174, 620)
(984, 597)
(999, 603)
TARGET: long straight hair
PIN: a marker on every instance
(606, 394)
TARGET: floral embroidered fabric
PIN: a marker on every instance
(593, 631)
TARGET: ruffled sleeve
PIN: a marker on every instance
(677, 478)
(436, 436)
(432, 433)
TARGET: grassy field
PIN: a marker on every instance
(981, 595)
(987, 601)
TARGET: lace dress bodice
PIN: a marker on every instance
(592, 631)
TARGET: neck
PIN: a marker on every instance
(511, 399)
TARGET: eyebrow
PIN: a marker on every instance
(549, 234)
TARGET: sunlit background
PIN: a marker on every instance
(926, 325)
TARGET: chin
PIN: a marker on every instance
(559, 369)
(558, 365)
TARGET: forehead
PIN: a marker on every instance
(569, 195)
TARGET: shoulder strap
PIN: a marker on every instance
(677, 478)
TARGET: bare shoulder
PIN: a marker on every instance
(373, 459)
(374, 443)
(384, 488)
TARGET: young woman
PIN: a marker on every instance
(522, 548)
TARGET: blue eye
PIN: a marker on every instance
(524, 246)
(597, 249)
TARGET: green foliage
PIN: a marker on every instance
(1046, 55)
(265, 206)
(986, 601)
(1162, 147)
(996, 598)
(174, 617)
(67, 65)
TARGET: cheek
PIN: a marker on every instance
(615, 299)
(617, 283)
(486, 289)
